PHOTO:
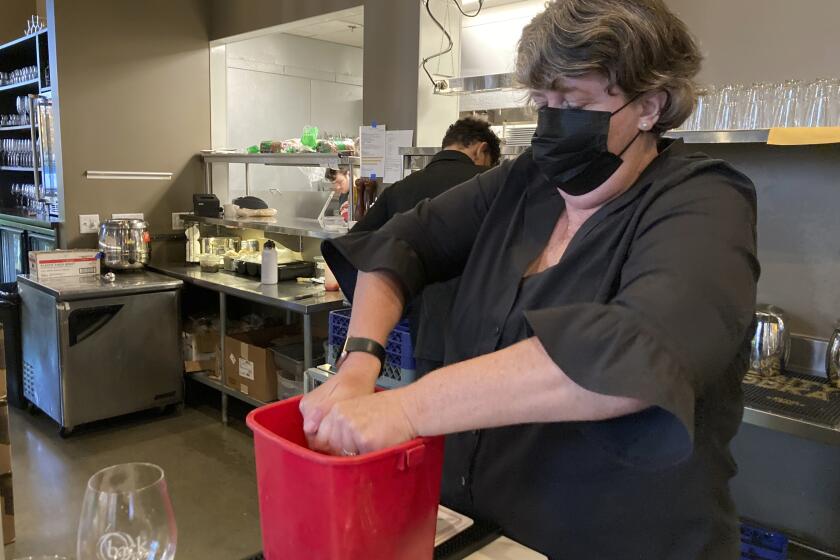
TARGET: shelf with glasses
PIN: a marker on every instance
(16, 168)
(721, 136)
(19, 127)
(27, 84)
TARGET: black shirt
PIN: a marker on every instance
(447, 169)
(425, 314)
(653, 299)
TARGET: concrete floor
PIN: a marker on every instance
(209, 468)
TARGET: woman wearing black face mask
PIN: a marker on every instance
(600, 332)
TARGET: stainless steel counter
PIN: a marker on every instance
(793, 426)
(289, 226)
(299, 298)
(87, 287)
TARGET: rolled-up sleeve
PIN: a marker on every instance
(684, 304)
(428, 244)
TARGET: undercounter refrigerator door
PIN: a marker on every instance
(119, 355)
(39, 338)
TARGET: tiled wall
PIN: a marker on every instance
(276, 85)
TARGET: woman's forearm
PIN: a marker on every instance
(517, 385)
(377, 307)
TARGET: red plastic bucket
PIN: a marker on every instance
(313, 506)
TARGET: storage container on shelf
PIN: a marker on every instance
(399, 368)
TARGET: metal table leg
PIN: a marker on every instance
(307, 340)
(223, 333)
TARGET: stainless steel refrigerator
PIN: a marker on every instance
(94, 350)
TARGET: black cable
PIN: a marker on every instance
(442, 84)
(441, 53)
(463, 13)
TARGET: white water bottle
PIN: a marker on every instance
(268, 272)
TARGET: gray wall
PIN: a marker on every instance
(235, 17)
(764, 40)
(13, 17)
(133, 95)
(798, 228)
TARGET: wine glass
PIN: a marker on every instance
(127, 514)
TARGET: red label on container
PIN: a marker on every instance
(57, 261)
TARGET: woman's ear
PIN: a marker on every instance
(653, 103)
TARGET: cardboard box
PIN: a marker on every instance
(204, 362)
(6, 497)
(249, 364)
(45, 265)
(201, 352)
(5, 442)
(204, 342)
(8, 508)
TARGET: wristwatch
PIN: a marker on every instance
(367, 345)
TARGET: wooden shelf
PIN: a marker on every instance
(20, 85)
(17, 127)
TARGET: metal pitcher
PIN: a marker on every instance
(832, 357)
(770, 343)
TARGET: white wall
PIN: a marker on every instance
(276, 85)
(436, 112)
(488, 46)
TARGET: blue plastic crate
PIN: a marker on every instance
(761, 544)
(392, 375)
(399, 348)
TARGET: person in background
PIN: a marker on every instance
(340, 178)
(469, 148)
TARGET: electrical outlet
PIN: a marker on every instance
(177, 222)
(88, 223)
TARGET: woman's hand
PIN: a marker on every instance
(356, 377)
(365, 424)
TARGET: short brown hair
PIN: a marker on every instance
(639, 45)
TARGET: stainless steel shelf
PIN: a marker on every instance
(721, 136)
(428, 152)
(19, 40)
(204, 379)
(793, 426)
(15, 168)
(20, 85)
(37, 221)
(478, 84)
(292, 160)
(284, 295)
(289, 226)
(17, 127)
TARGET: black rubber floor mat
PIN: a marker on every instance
(798, 396)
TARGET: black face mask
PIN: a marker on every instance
(570, 148)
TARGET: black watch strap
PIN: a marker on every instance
(367, 345)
